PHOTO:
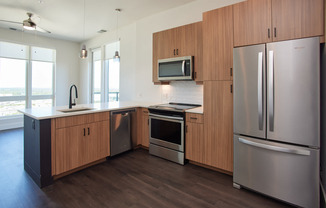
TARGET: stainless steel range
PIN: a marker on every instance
(166, 130)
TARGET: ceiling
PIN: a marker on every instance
(65, 18)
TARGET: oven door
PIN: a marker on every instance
(167, 131)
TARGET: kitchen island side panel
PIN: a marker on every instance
(37, 150)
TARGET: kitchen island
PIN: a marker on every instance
(59, 141)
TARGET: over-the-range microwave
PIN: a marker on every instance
(179, 68)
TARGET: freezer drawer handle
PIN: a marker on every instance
(260, 90)
(275, 148)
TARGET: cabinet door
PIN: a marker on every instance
(218, 124)
(297, 19)
(252, 22)
(217, 44)
(193, 46)
(69, 149)
(195, 142)
(163, 47)
(98, 136)
(145, 127)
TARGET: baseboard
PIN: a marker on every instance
(211, 168)
(11, 123)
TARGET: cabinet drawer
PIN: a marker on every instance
(81, 119)
(194, 118)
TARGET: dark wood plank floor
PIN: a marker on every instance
(133, 179)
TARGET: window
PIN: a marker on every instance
(105, 80)
(97, 75)
(26, 78)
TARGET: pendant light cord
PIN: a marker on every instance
(118, 10)
(84, 21)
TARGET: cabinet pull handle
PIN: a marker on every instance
(84, 132)
(231, 88)
(177, 51)
(193, 118)
(231, 72)
(275, 32)
(88, 131)
(269, 33)
(195, 75)
(147, 121)
(174, 52)
(186, 128)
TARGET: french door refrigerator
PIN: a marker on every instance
(277, 120)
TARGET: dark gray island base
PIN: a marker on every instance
(37, 150)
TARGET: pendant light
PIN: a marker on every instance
(116, 56)
(83, 52)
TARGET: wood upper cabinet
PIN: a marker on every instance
(252, 22)
(218, 124)
(257, 21)
(297, 19)
(218, 44)
(145, 127)
(177, 42)
(77, 144)
(195, 140)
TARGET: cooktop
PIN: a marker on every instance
(181, 107)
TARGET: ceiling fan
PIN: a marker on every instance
(28, 24)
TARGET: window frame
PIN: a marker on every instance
(104, 73)
(28, 97)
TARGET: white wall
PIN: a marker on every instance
(127, 62)
(67, 65)
(136, 54)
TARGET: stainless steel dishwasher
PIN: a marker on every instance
(121, 131)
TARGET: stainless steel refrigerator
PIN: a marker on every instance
(277, 120)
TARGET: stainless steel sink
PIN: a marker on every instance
(75, 109)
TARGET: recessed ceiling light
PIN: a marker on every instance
(102, 31)
(40, 1)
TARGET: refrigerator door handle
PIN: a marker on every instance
(275, 148)
(271, 90)
(260, 90)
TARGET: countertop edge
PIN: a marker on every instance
(54, 113)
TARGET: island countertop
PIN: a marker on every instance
(54, 112)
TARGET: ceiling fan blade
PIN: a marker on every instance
(11, 22)
(42, 30)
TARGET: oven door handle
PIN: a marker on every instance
(167, 117)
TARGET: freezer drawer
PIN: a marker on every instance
(286, 172)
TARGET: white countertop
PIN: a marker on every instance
(48, 113)
(198, 110)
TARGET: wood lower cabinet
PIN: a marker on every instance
(218, 124)
(145, 127)
(257, 21)
(186, 40)
(78, 145)
(195, 140)
(218, 44)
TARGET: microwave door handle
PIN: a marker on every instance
(183, 67)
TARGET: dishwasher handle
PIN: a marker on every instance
(123, 112)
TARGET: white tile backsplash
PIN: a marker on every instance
(182, 92)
